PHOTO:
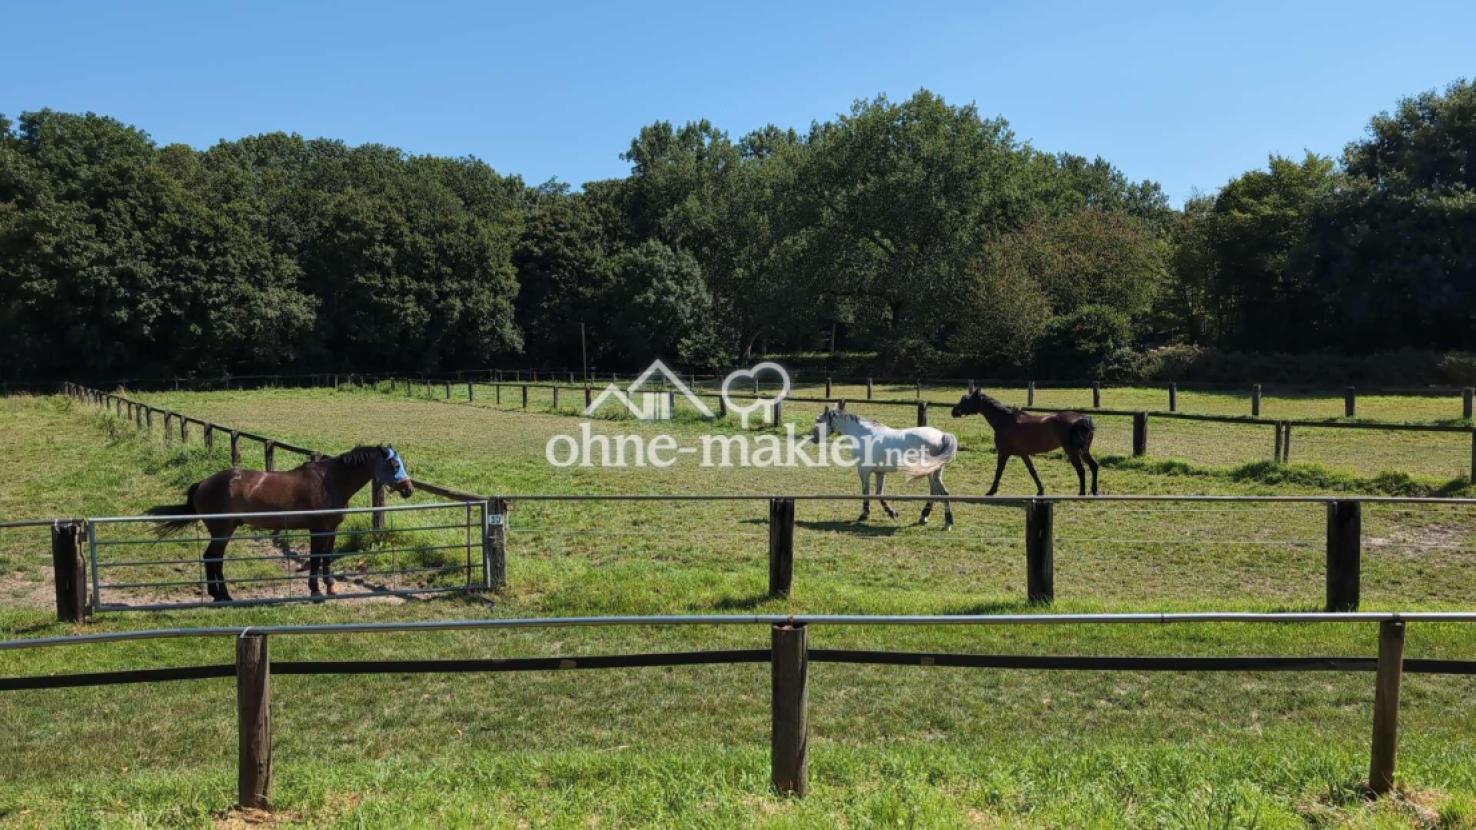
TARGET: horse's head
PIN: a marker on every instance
(971, 403)
(390, 472)
(824, 425)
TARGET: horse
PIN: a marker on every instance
(1019, 433)
(325, 484)
(916, 452)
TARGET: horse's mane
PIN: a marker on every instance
(998, 405)
(362, 454)
(851, 416)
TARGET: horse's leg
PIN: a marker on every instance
(865, 492)
(999, 466)
(326, 568)
(220, 532)
(1092, 462)
(1075, 458)
(881, 480)
(937, 479)
(315, 563)
(1030, 465)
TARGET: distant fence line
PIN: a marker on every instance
(575, 377)
(1281, 427)
(788, 656)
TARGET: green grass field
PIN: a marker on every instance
(687, 746)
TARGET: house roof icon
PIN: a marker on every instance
(653, 408)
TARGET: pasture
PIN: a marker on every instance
(909, 746)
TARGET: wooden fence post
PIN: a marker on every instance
(827, 387)
(235, 448)
(1140, 433)
(1386, 706)
(269, 455)
(525, 396)
(494, 545)
(69, 571)
(1468, 402)
(777, 412)
(168, 428)
(1350, 402)
(376, 499)
(1173, 397)
(781, 546)
(1276, 456)
(722, 411)
(588, 396)
(789, 756)
(556, 399)
(922, 413)
(1030, 393)
(1286, 442)
(497, 392)
(184, 430)
(917, 387)
(1096, 394)
(1344, 554)
(671, 404)
(1040, 566)
(868, 389)
(448, 390)
(470, 395)
(1473, 456)
(254, 721)
(1256, 401)
(209, 436)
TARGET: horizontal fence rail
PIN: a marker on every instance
(789, 656)
(486, 537)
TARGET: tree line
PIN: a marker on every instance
(919, 232)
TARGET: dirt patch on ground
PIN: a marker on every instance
(241, 818)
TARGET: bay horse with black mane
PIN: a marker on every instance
(1017, 432)
(325, 484)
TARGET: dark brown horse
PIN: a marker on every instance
(317, 485)
(1017, 432)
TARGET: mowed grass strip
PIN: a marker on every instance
(688, 745)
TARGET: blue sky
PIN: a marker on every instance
(1184, 93)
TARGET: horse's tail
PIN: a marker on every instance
(172, 527)
(1080, 434)
(933, 459)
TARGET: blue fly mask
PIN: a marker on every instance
(393, 468)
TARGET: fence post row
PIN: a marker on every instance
(69, 572)
(1040, 567)
(1344, 554)
(789, 746)
(1388, 675)
(1140, 433)
(781, 546)
(253, 722)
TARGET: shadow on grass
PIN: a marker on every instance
(747, 603)
(851, 527)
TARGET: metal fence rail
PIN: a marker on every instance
(789, 657)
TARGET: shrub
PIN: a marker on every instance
(1080, 344)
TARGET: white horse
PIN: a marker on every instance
(879, 449)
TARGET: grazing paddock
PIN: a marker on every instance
(659, 746)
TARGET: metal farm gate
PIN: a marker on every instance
(385, 553)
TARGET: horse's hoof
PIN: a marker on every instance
(922, 520)
(332, 591)
(891, 514)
